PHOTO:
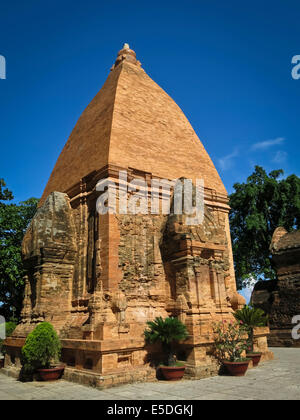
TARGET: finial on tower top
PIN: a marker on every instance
(128, 55)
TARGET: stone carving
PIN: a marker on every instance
(119, 306)
(139, 253)
(197, 256)
(49, 253)
(181, 307)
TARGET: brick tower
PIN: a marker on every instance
(99, 277)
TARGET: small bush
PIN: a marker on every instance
(9, 329)
(42, 348)
(251, 318)
(230, 341)
(166, 331)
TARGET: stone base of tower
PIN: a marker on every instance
(108, 363)
(144, 374)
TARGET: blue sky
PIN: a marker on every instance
(226, 64)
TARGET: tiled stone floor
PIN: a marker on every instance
(278, 379)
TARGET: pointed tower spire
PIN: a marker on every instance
(132, 123)
(126, 54)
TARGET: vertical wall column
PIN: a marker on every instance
(203, 282)
(83, 242)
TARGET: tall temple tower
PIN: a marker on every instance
(99, 277)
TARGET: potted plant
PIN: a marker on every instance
(41, 353)
(251, 318)
(168, 331)
(9, 329)
(231, 342)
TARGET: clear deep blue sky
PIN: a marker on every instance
(227, 64)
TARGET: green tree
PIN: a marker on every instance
(14, 220)
(258, 207)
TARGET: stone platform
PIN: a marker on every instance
(276, 380)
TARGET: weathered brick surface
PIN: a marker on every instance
(49, 252)
(132, 122)
(280, 298)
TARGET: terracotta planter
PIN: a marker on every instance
(236, 368)
(255, 358)
(51, 374)
(172, 373)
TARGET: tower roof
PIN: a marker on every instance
(132, 122)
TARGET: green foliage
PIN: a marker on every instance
(42, 348)
(258, 207)
(14, 220)
(166, 331)
(9, 329)
(5, 194)
(230, 340)
(251, 318)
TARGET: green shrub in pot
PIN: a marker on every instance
(42, 348)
